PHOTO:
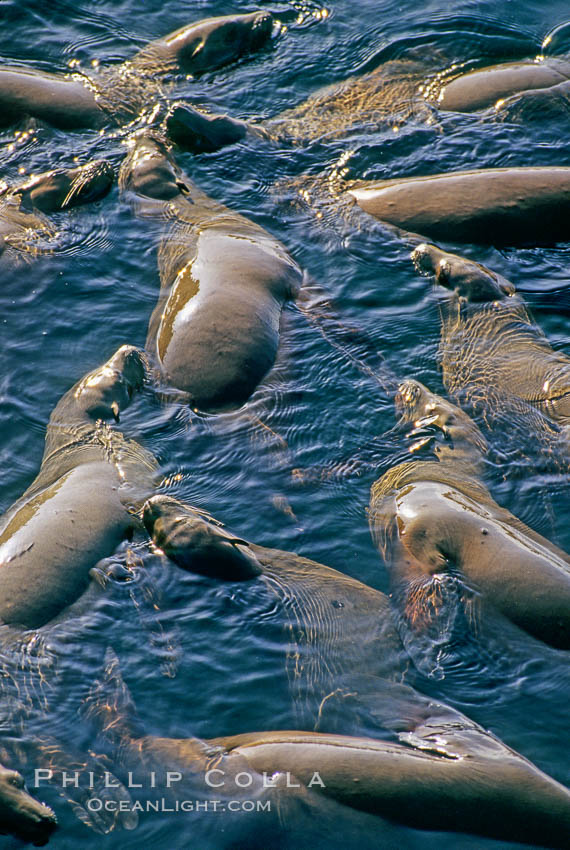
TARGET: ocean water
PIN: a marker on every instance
(194, 653)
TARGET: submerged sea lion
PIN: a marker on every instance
(224, 281)
(445, 540)
(20, 814)
(490, 344)
(495, 206)
(120, 93)
(60, 189)
(80, 506)
(450, 774)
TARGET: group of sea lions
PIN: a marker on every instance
(213, 336)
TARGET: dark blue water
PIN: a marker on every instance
(189, 651)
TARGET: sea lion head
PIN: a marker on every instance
(20, 814)
(105, 392)
(466, 278)
(61, 189)
(149, 170)
(213, 43)
(195, 543)
(428, 412)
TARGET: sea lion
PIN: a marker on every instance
(118, 94)
(80, 506)
(408, 84)
(490, 345)
(22, 205)
(20, 814)
(348, 654)
(495, 206)
(338, 625)
(450, 775)
(484, 87)
(445, 540)
(224, 282)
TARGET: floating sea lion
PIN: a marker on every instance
(339, 626)
(224, 282)
(345, 641)
(20, 814)
(484, 87)
(120, 93)
(490, 345)
(80, 506)
(60, 189)
(449, 775)
(495, 206)
(445, 540)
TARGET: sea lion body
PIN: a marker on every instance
(484, 314)
(224, 283)
(436, 523)
(483, 87)
(483, 793)
(20, 814)
(495, 206)
(397, 91)
(64, 102)
(80, 506)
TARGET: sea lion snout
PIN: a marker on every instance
(62, 189)
(20, 814)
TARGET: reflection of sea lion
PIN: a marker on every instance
(21, 205)
(496, 206)
(490, 344)
(20, 814)
(451, 776)
(224, 282)
(120, 93)
(77, 509)
(437, 524)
